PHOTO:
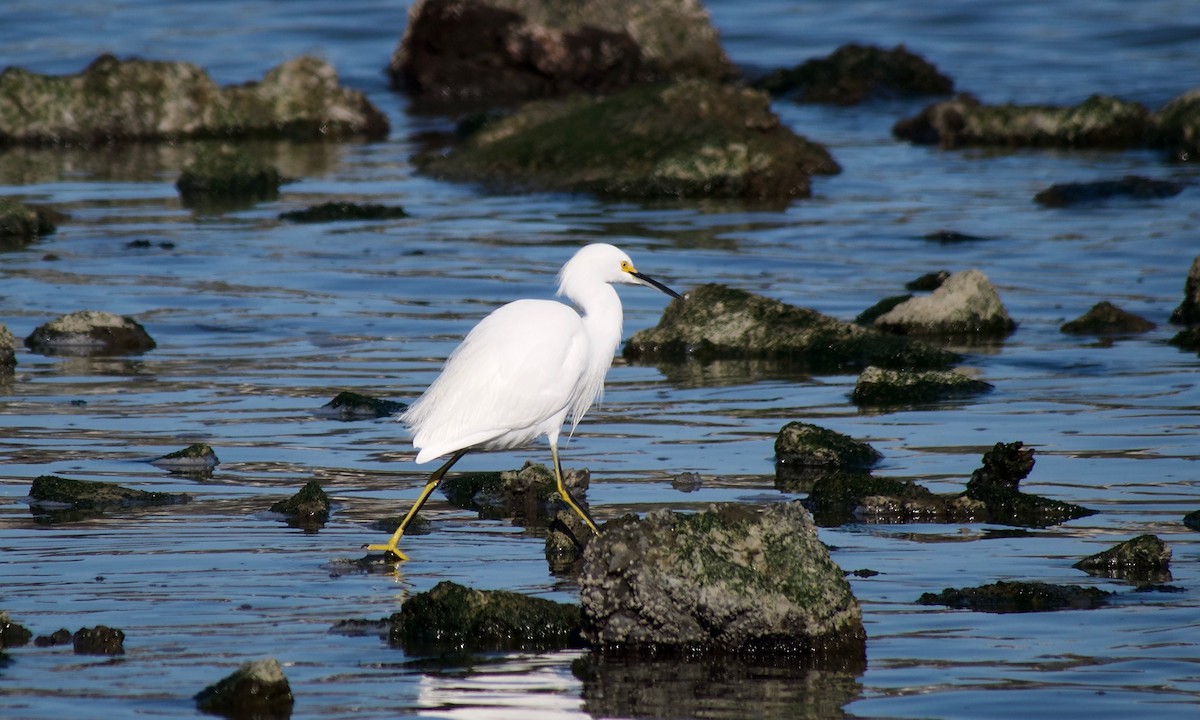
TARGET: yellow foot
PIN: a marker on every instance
(392, 549)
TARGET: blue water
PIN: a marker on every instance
(259, 323)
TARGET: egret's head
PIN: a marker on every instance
(604, 263)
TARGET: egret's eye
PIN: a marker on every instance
(626, 266)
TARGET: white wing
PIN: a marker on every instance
(512, 379)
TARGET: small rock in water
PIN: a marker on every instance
(967, 304)
(61, 636)
(8, 349)
(1133, 186)
(12, 634)
(343, 211)
(1019, 597)
(1192, 520)
(197, 456)
(21, 223)
(99, 640)
(1107, 319)
(1188, 312)
(90, 332)
(51, 491)
(528, 494)
(687, 482)
(1144, 558)
(951, 237)
(308, 509)
(804, 444)
(995, 485)
(879, 387)
(348, 405)
(257, 690)
(855, 73)
(219, 177)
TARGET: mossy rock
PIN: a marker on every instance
(197, 457)
(21, 223)
(1144, 558)
(855, 73)
(348, 405)
(1107, 319)
(257, 690)
(1177, 127)
(307, 509)
(1019, 597)
(221, 176)
(877, 387)
(52, 491)
(805, 452)
(716, 322)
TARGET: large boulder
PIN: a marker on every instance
(488, 52)
(114, 100)
(967, 304)
(691, 139)
(730, 579)
(717, 322)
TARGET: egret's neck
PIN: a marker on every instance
(600, 307)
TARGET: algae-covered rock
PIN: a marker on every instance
(90, 332)
(99, 640)
(717, 322)
(1107, 319)
(488, 52)
(1131, 186)
(307, 509)
(995, 484)
(53, 492)
(21, 223)
(1144, 558)
(451, 618)
(963, 121)
(804, 452)
(1015, 597)
(8, 349)
(1177, 127)
(729, 579)
(966, 304)
(122, 100)
(348, 405)
(197, 457)
(1188, 312)
(527, 494)
(880, 387)
(855, 73)
(694, 139)
(257, 690)
(344, 212)
(222, 176)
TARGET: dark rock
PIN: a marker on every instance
(8, 349)
(343, 211)
(717, 322)
(731, 579)
(451, 618)
(89, 332)
(419, 525)
(51, 491)
(527, 494)
(804, 452)
(1014, 597)
(836, 498)
(1178, 127)
(929, 281)
(951, 237)
(884, 306)
(194, 457)
(1192, 520)
(224, 178)
(12, 634)
(21, 223)
(966, 304)
(472, 52)
(348, 405)
(854, 73)
(61, 636)
(1187, 339)
(1188, 312)
(307, 509)
(687, 482)
(1144, 559)
(880, 387)
(255, 691)
(1098, 122)
(99, 640)
(1134, 186)
(115, 100)
(1107, 319)
(694, 139)
(995, 485)
(566, 537)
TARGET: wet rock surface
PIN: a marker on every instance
(1178, 127)
(730, 579)
(451, 619)
(51, 494)
(308, 509)
(966, 304)
(21, 223)
(90, 332)
(12, 634)
(1014, 597)
(348, 405)
(99, 640)
(718, 322)
(854, 73)
(257, 689)
(1104, 318)
(963, 121)
(527, 494)
(123, 100)
(1130, 186)
(197, 457)
(344, 212)
(1192, 520)
(804, 452)
(1142, 559)
(219, 179)
(878, 387)
(1188, 312)
(691, 139)
(471, 52)
(996, 485)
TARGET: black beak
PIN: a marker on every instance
(654, 283)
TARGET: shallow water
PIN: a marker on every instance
(259, 323)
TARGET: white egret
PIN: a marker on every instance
(523, 370)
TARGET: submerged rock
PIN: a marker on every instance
(1133, 186)
(50, 492)
(488, 52)
(951, 237)
(1107, 319)
(1188, 312)
(527, 494)
(257, 689)
(1187, 339)
(717, 322)
(966, 304)
(344, 211)
(688, 140)
(879, 387)
(21, 223)
(963, 121)
(731, 579)
(225, 177)
(1144, 558)
(348, 405)
(12, 634)
(8, 349)
(90, 332)
(194, 457)
(123, 100)
(99, 640)
(854, 73)
(451, 618)
(308, 509)
(1177, 127)
(1015, 597)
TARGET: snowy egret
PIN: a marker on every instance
(523, 370)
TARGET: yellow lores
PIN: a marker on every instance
(523, 370)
